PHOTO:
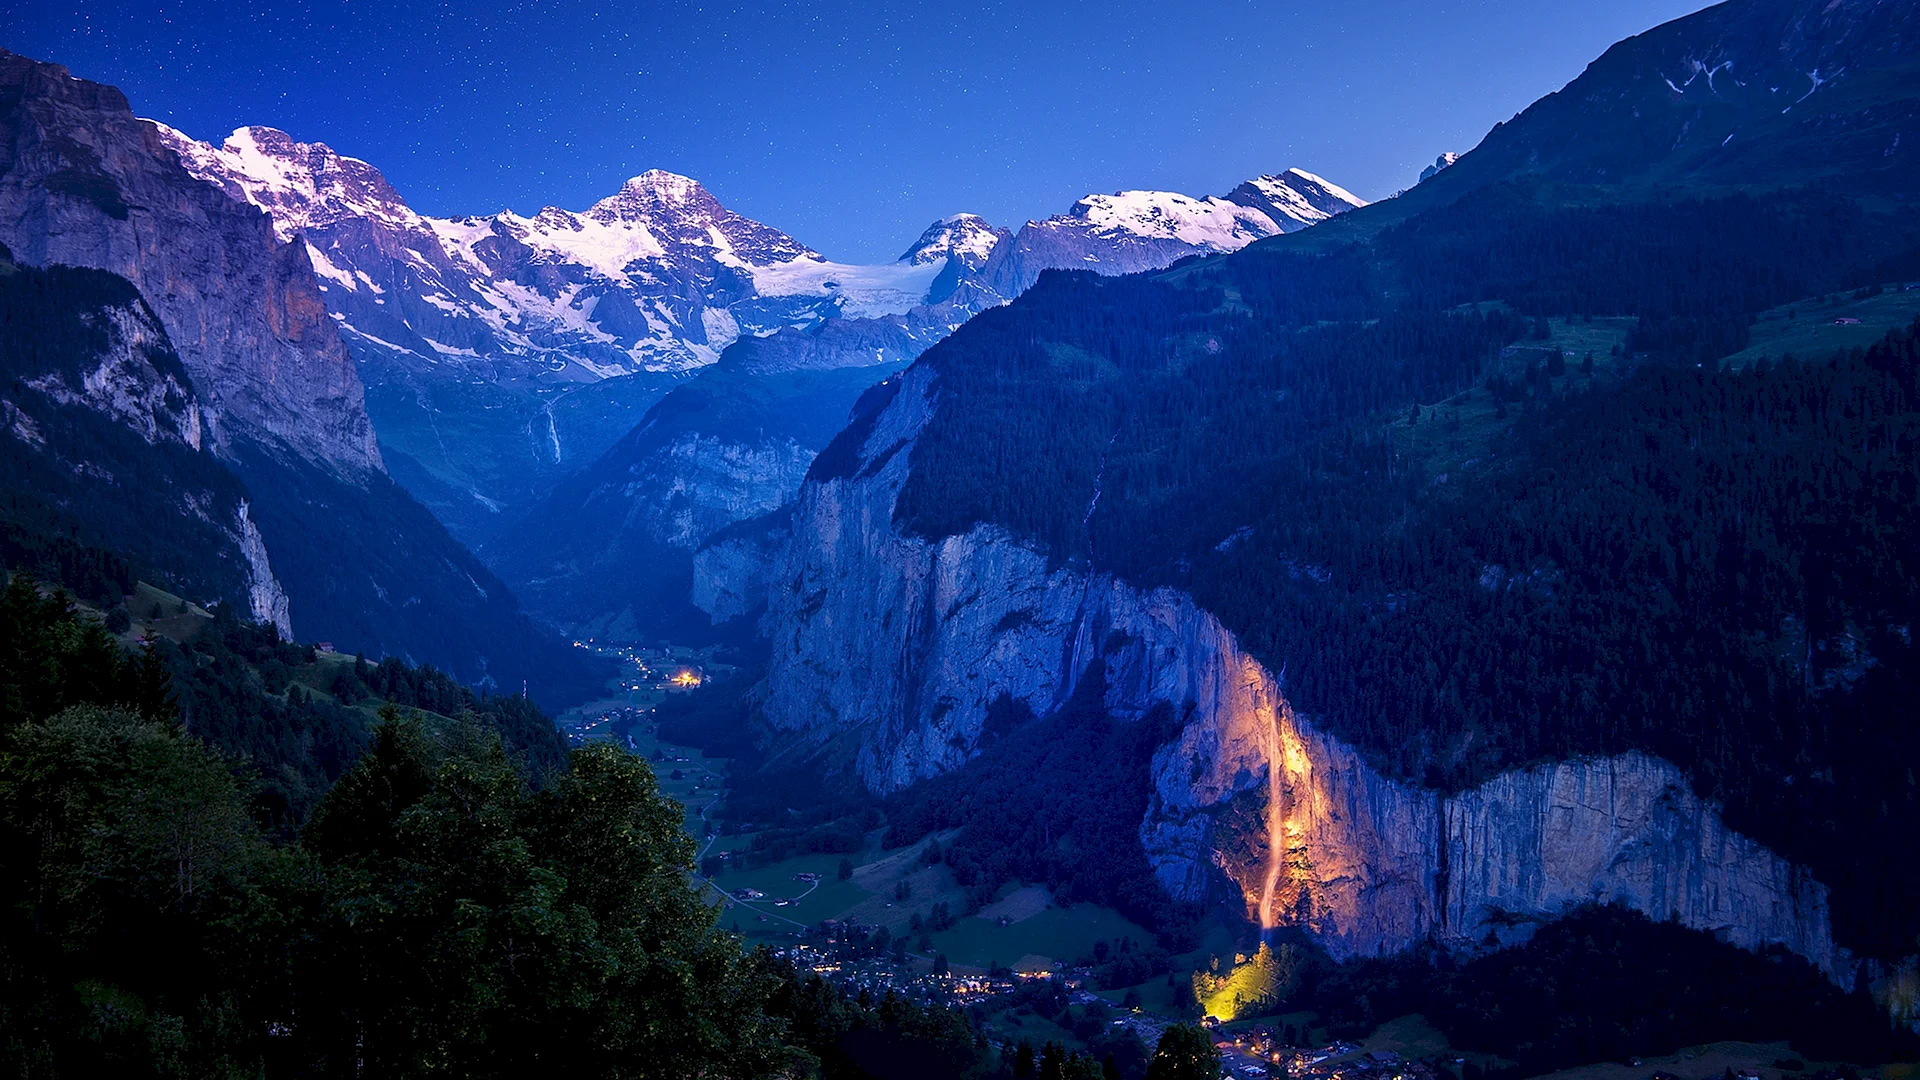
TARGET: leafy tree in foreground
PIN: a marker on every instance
(1186, 1052)
(472, 925)
(440, 916)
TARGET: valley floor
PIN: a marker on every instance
(838, 913)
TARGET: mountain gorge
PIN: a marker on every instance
(1461, 581)
(1457, 637)
(618, 545)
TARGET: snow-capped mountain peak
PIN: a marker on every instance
(1211, 223)
(1440, 163)
(302, 185)
(966, 237)
(1295, 199)
(665, 188)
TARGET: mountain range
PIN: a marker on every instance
(485, 366)
(529, 376)
(1390, 586)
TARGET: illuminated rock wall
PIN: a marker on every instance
(887, 651)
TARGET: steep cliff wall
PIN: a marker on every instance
(888, 649)
(85, 183)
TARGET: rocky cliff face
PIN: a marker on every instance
(84, 183)
(104, 439)
(134, 379)
(889, 649)
(610, 551)
(267, 600)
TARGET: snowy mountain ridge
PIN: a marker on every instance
(1128, 232)
(1262, 207)
(1212, 223)
(659, 276)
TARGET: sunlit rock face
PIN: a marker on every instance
(888, 649)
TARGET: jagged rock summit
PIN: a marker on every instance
(300, 185)
(1443, 161)
(967, 238)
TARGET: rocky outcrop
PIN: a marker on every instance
(134, 379)
(266, 600)
(85, 183)
(888, 649)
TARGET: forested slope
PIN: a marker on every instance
(1470, 547)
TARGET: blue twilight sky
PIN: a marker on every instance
(848, 125)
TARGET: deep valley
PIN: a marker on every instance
(1459, 635)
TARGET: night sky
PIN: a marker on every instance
(850, 126)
